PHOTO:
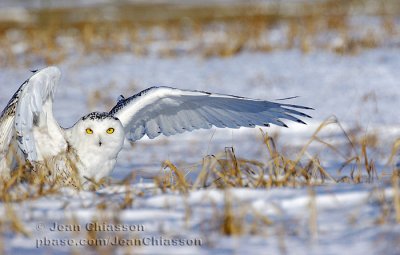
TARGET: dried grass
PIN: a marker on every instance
(224, 170)
(209, 31)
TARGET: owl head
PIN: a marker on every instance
(98, 133)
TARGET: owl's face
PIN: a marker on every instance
(98, 133)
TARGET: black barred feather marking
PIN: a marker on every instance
(98, 116)
(11, 106)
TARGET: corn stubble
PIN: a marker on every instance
(225, 170)
(210, 31)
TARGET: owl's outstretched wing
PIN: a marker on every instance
(29, 114)
(168, 111)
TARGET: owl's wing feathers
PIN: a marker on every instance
(168, 111)
(7, 123)
(28, 110)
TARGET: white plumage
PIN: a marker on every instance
(89, 149)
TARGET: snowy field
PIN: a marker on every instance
(134, 214)
(346, 214)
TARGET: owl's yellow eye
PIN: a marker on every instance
(89, 131)
(110, 131)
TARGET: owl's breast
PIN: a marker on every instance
(95, 165)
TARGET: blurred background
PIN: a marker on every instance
(47, 32)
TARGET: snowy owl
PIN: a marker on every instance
(31, 138)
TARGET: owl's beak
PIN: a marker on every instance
(100, 142)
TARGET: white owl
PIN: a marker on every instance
(30, 136)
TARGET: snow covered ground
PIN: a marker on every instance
(361, 90)
(343, 218)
